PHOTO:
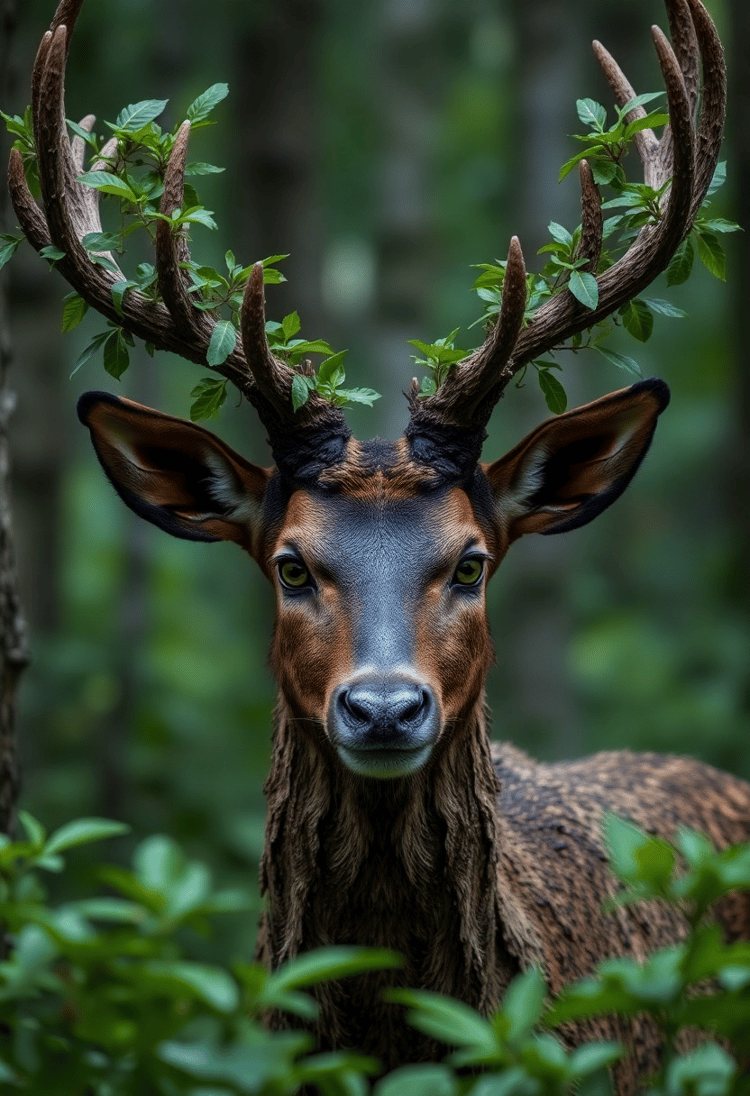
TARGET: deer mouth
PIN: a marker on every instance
(383, 726)
(384, 764)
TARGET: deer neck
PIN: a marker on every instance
(408, 864)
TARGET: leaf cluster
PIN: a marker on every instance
(101, 995)
(631, 207)
(132, 175)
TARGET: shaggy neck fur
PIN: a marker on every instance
(410, 865)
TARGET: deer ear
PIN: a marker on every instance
(173, 473)
(573, 466)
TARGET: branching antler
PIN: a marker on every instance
(686, 154)
(71, 211)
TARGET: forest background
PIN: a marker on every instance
(387, 146)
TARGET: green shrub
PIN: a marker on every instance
(100, 996)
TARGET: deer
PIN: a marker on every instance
(392, 819)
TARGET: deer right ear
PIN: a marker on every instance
(574, 466)
(173, 473)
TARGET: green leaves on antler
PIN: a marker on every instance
(631, 207)
(131, 167)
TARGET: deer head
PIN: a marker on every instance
(379, 552)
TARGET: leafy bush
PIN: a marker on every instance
(100, 996)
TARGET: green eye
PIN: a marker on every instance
(469, 572)
(293, 574)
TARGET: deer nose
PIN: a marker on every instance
(384, 725)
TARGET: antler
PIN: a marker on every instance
(71, 211)
(687, 154)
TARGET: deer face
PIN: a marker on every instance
(381, 636)
(379, 560)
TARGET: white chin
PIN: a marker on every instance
(384, 764)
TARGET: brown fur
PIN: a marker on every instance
(481, 862)
(478, 866)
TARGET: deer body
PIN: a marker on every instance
(391, 818)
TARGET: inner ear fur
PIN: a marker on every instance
(573, 466)
(174, 473)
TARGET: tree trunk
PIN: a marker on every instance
(13, 650)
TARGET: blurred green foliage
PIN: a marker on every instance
(105, 995)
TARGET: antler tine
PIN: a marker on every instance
(272, 394)
(592, 227)
(714, 106)
(465, 392)
(646, 140)
(171, 248)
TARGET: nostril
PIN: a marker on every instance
(355, 707)
(414, 707)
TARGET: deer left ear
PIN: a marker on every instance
(573, 466)
(174, 473)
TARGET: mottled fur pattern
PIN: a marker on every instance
(476, 867)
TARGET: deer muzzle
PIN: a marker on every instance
(383, 725)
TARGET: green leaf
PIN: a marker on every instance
(328, 964)
(443, 1018)
(604, 171)
(638, 319)
(300, 392)
(198, 216)
(591, 1057)
(118, 291)
(74, 309)
(584, 288)
(223, 342)
(116, 356)
(622, 361)
(331, 369)
(107, 183)
(53, 254)
(433, 1079)
(559, 233)
(212, 984)
(711, 254)
(651, 121)
(34, 830)
(90, 350)
(719, 178)
(8, 247)
(681, 263)
(523, 1003)
(359, 395)
(82, 831)
(137, 115)
(86, 136)
(201, 107)
(208, 395)
(102, 241)
(591, 113)
(719, 224)
(554, 393)
(664, 308)
(198, 168)
(290, 325)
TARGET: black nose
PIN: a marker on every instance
(383, 712)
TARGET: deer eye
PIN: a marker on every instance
(469, 572)
(293, 575)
